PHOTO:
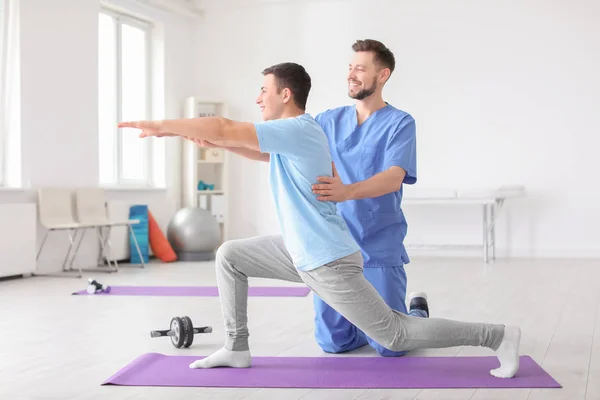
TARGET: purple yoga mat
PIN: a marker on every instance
(204, 291)
(333, 372)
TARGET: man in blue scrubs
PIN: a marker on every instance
(373, 148)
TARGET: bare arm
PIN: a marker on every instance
(248, 153)
(218, 130)
(385, 182)
(399, 165)
(221, 131)
(333, 189)
(251, 154)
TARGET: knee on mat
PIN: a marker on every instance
(334, 348)
(391, 346)
(330, 345)
(383, 352)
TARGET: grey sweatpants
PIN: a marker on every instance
(342, 285)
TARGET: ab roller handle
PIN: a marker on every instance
(182, 332)
(155, 334)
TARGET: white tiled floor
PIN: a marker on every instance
(58, 346)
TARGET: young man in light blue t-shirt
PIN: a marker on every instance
(315, 246)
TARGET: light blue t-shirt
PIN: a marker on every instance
(387, 138)
(312, 231)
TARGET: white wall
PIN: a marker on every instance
(503, 92)
(60, 102)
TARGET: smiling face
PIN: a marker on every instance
(271, 99)
(370, 68)
(365, 77)
(284, 91)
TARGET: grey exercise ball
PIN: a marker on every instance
(194, 234)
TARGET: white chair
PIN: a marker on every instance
(91, 213)
(56, 214)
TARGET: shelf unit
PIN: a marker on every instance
(209, 165)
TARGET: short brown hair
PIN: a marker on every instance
(294, 77)
(382, 55)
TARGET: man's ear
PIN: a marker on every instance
(384, 75)
(287, 95)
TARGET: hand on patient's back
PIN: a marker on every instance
(331, 188)
(148, 128)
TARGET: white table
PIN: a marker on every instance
(490, 201)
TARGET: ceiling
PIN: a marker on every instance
(195, 8)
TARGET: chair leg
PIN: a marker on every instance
(72, 242)
(104, 252)
(102, 241)
(110, 269)
(137, 246)
(108, 246)
(42, 246)
(39, 253)
(100, 261)
(77, 250)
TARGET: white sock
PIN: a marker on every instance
(224, 358)
(508, 353)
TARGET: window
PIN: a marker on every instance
(10, 140)
(3, 62)
(125, 93)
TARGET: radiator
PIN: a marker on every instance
(18, 230)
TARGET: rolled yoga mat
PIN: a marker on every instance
(201, 291)
(333, 372)
(140, 230)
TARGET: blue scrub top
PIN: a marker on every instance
(385, 139)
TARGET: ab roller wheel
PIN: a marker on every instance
(182, 332)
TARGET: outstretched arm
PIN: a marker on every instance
(251, 154)
(218, 130)
(248, 153)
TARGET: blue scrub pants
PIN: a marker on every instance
(335, 334)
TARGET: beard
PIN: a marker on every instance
(365, 92)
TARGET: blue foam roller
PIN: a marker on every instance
(139, 212)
